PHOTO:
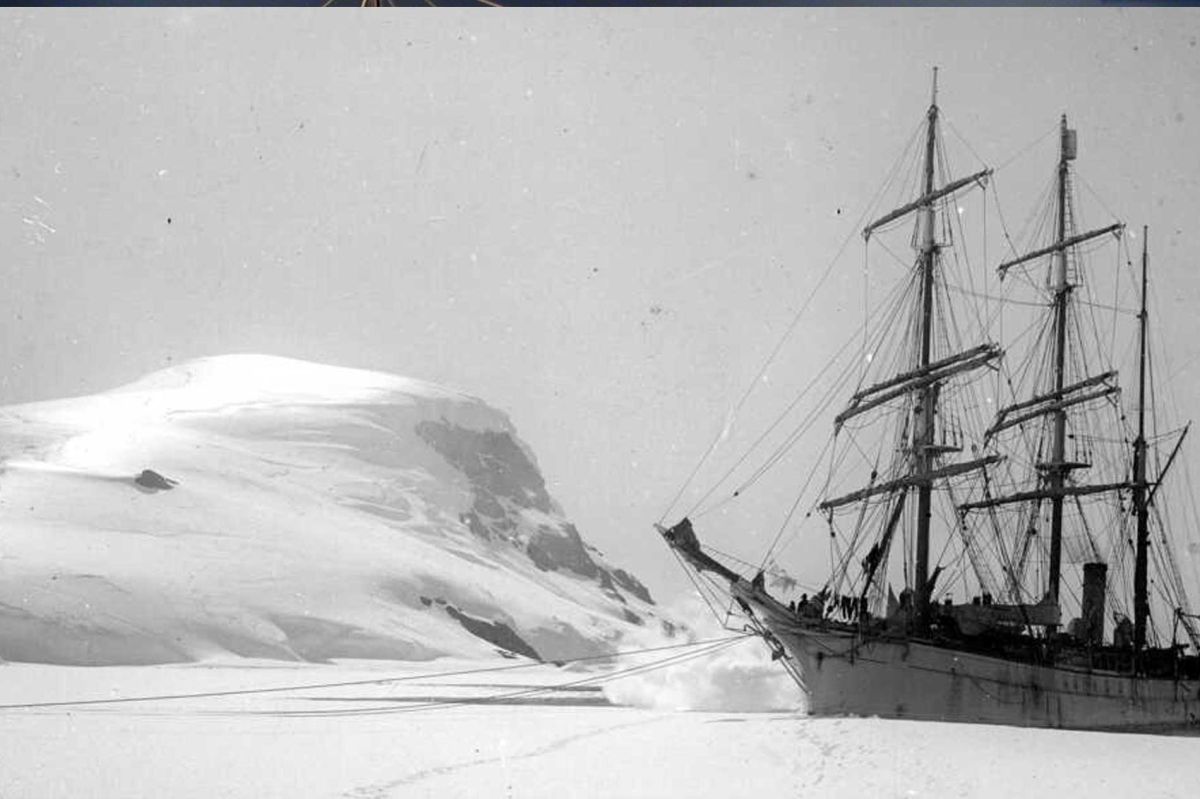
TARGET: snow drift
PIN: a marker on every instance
(740, 678)
(268, 507)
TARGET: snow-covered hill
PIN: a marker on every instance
(319, 513)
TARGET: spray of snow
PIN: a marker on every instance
(738, 678)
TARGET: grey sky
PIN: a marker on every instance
(599, 221)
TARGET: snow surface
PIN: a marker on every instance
(320, 513)
(418, 738)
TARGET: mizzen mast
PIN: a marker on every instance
(1141, 604)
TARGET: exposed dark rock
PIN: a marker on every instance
(322, 640)
(632, 617)
(486, 504)
(562, 548)
(609, 587)
(494, 632)
(493, 461)
(504, 479)
(632, 585)
(473, 523)
(154, 481)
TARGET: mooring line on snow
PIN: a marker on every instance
(351, 683)
(440, 704)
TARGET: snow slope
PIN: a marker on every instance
(424, 738)
(320, 512)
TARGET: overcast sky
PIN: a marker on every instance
(599, 221)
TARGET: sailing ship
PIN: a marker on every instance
(1014, 506)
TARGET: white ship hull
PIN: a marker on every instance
(846, 675)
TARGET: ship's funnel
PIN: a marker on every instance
(1092, 613)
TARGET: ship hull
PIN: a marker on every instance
(843, 674)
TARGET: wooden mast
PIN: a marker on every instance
(1054, 403)
(923, 381)
(926, 407)
(1062, 290)
(1141, 605)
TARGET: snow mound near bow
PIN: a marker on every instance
(295, 511)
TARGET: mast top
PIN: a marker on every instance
(1069, 145)
(933, 100)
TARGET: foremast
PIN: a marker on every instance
(918, 384)
(924, 380)
(927, 403)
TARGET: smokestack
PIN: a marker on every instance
(1092, 613)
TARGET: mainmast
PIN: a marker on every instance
(1057, 466)
(1141, 605)
(1059, 396)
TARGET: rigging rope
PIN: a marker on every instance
(441, 704)
(699, 589)
(790, 328)
(758, 377)
(373, 681)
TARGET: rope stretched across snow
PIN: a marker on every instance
(712, 644)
